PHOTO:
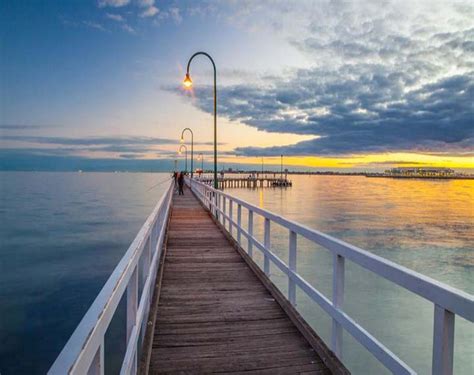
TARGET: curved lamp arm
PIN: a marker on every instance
(188, 83)
(185, 155)
(182, 134)
(192, 146)
(197, 54)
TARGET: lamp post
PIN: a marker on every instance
(188, 84)
(185, 156)
(192, 146)
(202, 161)
(281, 167)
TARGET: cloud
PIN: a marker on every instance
(175, 15)
(396, 162)
(149, 12)
(112, 3)
(23, 126)
(150, 8)
(83, 24)
(129, 28)
(94, 25)
(393, 78)
(130, 156)
(115, 17)
(66, 145)
(145, 3)
(88, 141)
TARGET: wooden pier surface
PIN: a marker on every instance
(214, 314)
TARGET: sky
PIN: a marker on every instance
(362, 85)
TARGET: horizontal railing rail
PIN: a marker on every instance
(447, 301)
(84, 352)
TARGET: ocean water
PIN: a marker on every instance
(61, 235)
(425, 225)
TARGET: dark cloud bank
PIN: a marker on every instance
(378, 93)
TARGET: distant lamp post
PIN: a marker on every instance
(192, 147)
(188, 83)
(202, 162)
(185, 156)
(281, 167)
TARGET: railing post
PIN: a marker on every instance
(148, 256)
(218, 206)
(148, 253)
(266, 244)
(98, 364)
(215, 206)
(224, 209)
(231, 213)
(292, 266)
(337, 300)
(239, 223)
(132, 299)
(250, 231)
(443, 341)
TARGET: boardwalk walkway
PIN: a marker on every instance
(214, 315)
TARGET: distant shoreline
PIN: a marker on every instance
(423, 177)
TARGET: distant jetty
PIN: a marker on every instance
(402, 172)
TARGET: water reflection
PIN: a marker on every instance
(425, 225)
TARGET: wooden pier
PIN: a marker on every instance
(196, 302)
(215, 315)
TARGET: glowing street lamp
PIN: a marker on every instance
(188, 83)
(185, 156)
(192, 146)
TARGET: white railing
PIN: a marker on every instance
(84, 352)
(447, 301)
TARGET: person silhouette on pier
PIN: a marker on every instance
(181, 183)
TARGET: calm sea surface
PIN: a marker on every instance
(63, 233)
(425, 225)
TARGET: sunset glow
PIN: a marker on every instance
(108, 84)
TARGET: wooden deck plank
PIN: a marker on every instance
(214, 315)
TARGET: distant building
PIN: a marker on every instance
(425, 172)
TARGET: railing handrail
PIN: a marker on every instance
(85, 346)
(456, 300)
(447, 300)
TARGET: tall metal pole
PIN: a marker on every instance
(185, 156)
(216, 185)
(281, 167)
(192, 146)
